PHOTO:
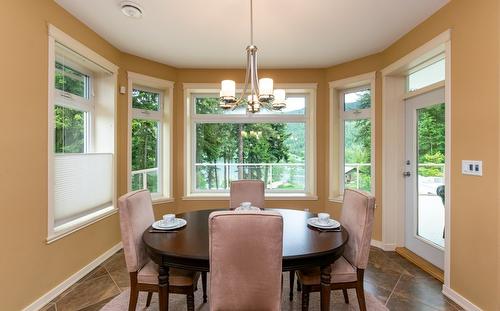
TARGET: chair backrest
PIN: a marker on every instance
(246, 250)
(248, 190)
(357, 217)
(136, 215)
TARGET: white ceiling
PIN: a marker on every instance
(288, 33)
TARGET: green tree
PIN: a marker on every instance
(237, 143)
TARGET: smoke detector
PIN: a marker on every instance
(131, 9)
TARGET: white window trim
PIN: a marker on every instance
(165, 117)
(336, 137)
(190, 89)
(53, 233)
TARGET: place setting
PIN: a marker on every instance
(324, 223)
(169, 223)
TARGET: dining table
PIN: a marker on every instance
(303, 247)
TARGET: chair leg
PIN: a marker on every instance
(204, 285)
(299, 288)
(346, 296)
(305, 298)
(134, 294)
(292, 282)
(190, 301)
(360, 293)
(148, 301)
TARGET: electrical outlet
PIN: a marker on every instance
(472, 167)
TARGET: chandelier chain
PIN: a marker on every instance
(251, 22)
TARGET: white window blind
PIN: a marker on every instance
(83, 185)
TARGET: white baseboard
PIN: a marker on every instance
(377, 244)
(459, 299)
(53, 293)
(382, 246)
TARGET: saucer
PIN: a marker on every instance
(176, 224)
(242, 209)
(314, 221)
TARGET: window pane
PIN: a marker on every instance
(272, 152)
(210, 105)
(70, 80)
(295, 105)
(69, 130)
(427, 76)
(145, 154)
(145, 100)
(357, 154)
(357, 100)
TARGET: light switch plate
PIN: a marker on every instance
(472, 167)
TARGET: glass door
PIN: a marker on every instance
(425, 176)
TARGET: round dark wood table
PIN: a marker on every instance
(303, 247)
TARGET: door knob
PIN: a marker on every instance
(406, 174)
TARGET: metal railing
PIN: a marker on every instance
(144, 175)
(357, 167)
(274, 174)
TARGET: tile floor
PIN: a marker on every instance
(389, 277)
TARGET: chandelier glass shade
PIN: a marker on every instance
(257, 93)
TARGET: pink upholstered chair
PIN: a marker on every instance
(348, 271)
(136, 215)
(248, 190)
(245, 260)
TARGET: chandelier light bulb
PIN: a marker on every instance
(279, 96)
(228, 88)
(265, 86)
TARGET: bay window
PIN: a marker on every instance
(273, 146)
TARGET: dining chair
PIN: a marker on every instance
(245, 250)
(247, 190)
(136, 215)
(348, 271)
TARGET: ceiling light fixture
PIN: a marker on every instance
(261, 92)
(131, 9)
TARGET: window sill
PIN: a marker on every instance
(161, 200)
(337, 199)
(268, 197)
(80, 223)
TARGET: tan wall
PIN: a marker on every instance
(474, 131)
(35, 267)
(30, 267)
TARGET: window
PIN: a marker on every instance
(73, 108)
(146, 152)
(149, 135)
(356, 138)
(226, 145)
(426, 74)
(81, 136)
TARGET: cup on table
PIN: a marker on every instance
(323, 218)
(168, 219)
(245, 205)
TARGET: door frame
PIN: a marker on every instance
(393, 128)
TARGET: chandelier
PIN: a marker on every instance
(260, 92)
